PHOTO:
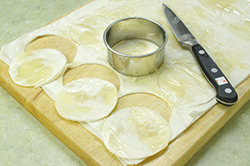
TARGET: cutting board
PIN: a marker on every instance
(86, 145)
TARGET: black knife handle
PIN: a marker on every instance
(226, 94)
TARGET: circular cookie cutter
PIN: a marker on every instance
(137, 29)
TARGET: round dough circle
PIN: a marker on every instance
(135, 133)
(86, 99)
(37, 67)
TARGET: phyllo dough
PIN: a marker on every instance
(86, 99)
(37, 67)
(135, 133)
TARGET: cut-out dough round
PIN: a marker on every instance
(37, 67)
(135, 133)
(86, 99)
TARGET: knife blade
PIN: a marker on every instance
(225, 93)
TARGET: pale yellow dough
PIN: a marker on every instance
(37, 67)
(135, 133)
(86, 99)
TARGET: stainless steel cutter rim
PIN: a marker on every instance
(135, 56)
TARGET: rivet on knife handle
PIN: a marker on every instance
(225, 91)
(226, 94)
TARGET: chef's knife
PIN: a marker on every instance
(226, 94)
